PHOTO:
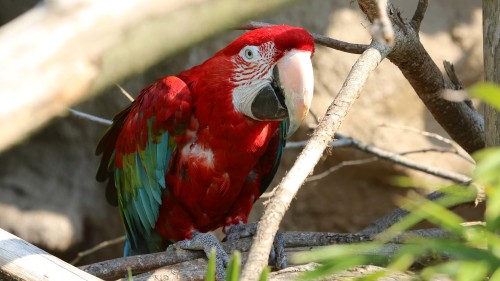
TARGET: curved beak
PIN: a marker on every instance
(297, 81)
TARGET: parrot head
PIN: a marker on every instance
(265, 75)
(273, 74)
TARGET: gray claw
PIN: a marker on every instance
(206, 242)
(277, 255)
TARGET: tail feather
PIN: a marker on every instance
(154, 243)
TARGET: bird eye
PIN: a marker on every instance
(250, 53)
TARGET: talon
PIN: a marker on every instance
(279, 249)
(206, 242)
(277, 256)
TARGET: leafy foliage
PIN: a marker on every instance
(468, 253)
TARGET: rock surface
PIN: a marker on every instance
(48, 192)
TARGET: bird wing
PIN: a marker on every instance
(137, 152)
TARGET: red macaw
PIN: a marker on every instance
(194, 151)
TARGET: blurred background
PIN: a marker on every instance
(48, 192)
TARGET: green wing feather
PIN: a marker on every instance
(137, 150)
(140, 185)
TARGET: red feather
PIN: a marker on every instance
(221, 157)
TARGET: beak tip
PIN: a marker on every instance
(292, 128)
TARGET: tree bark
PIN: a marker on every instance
(19, 260)
(458, 119)
(62, 52)
(491, 53)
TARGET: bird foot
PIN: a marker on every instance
(277, 256)
(206, 242)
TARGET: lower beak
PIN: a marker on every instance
(297, 81)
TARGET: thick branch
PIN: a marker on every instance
(460, 121)
(20, 260)
(491, 53)
(195, 270)
(291, 183)
(398, 214)
(57, 54)
(177, 260)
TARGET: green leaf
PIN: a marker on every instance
(233, 269)
(130, 277)
(460, 251)
(210, 276)
(495, 276)
(265, 274)
(488, 92)
(406, 256)
(488, 166)
(472, 271)
(458, 270)
(437, 214)
(336, 252)
(487, 173)
(339, 264)
(434, 211)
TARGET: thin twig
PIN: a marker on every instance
(98, 247)
(125, 93)
(90, 117)
(318, 38)
(396, 158)
(339, 166)
(459, 94)
(435, 136)
(310, 155)
(418, 16)
(432, 149)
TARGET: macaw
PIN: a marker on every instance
(194, 151)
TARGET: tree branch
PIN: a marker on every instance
(290, 184)
(294, 242)
(403, 161)
(418, 16)
(461, 122)
(318, 38)
(20, 260)
(97, 247)
(57, 54)
(398, 214)
(491, 58)
(455, 146)
(195, 270)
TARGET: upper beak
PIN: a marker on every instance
(297, 81)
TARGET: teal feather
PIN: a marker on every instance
(142, 185)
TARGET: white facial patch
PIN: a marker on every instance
(253, 71)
